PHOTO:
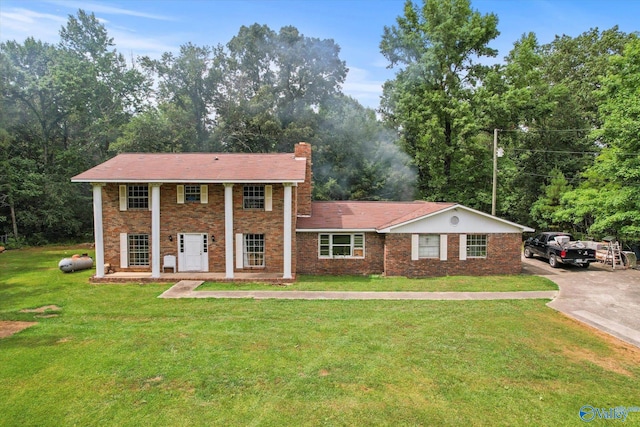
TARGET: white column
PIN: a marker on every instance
(228, 230)
(287, 231)
(155, 230)
(98, 230)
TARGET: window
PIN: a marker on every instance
(138, 249)
(429, 246)
(253, 197)
(341, 245)
(192, 193)
(138, 197)
(253, 250)
(477, 245)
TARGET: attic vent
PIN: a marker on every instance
(454, 220)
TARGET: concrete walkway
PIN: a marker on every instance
(186, 289)
(606, 299)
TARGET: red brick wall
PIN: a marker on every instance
(503, 257)
(309, 263)
(198, 218)
(302, 149)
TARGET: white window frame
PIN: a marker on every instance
(192, 193)
(138, 255)
(253, 250)
(253, 197)
(138, 199)
(477, 245)
(429, 249)
(356, 245)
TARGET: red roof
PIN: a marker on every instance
(197, 167)
(350, 215)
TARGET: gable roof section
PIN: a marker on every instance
(357, 215)
(197, 167)
(385, 217)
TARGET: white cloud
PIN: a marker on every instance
(18, 24)
(110, 10)
(362, 86)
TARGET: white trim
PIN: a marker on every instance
(288, 210)
(203, 246)
(98, 230)
(228, 230)
(293, 181)
(443, 247)
(155, 230)
(239, 251)
(463, 247)
(124, 249)
(335, 230)
(352, 245)
(522, 228)
(415, 247)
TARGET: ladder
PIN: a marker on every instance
(614, 255)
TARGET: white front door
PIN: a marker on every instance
(193, 252)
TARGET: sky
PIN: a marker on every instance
(152, 27)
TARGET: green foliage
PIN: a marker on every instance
(431, 100)
(355, 157)
(62, 106)
(610, 195)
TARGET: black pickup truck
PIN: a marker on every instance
(559, 248)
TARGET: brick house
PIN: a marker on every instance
(238, 213)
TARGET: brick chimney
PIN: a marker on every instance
(303, 150)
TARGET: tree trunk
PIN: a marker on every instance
(13, 219)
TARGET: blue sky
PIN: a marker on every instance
(151, 27)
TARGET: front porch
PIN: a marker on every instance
(146, 277)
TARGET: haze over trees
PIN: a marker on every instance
(566, 111)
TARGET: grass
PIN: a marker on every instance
(118, 355)
(377, 283)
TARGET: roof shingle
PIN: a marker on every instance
(359, 215)
(197, 167)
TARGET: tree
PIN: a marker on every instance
(355, 157)
(102, 91)
(546, 97)
(62, 106)
(431, 100)
(614, 178)
(274, 84)
(189, 81)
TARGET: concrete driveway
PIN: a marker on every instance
(606, 299)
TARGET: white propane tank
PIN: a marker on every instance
(75, 263)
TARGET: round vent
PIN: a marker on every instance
(454, 220)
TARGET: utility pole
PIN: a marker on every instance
(495, 171)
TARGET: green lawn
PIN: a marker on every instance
(377, 283)
(118, 355)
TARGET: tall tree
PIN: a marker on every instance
(439, 47)
(189, 82)
(614, 178)
(274, 85)
(102, 89)
(547, 100)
